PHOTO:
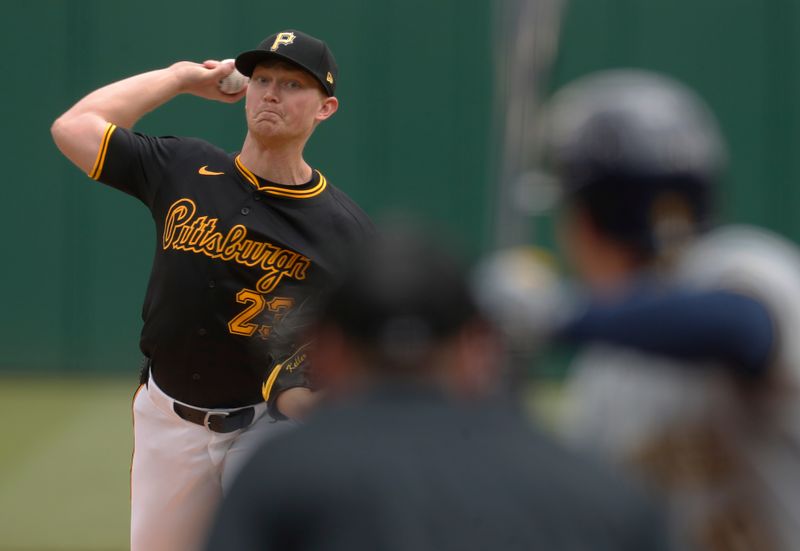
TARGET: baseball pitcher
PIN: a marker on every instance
(242, 239)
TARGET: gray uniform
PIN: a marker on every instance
(725, 451)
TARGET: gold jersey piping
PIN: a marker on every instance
(97, 169)
(282, 191)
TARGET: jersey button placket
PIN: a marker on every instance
(245, 211)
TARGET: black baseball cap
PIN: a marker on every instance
(400, 285)
(298, 48)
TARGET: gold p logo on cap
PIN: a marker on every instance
(283, 39)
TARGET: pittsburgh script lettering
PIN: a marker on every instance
(183, 231)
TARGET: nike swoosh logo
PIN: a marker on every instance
(205, 172)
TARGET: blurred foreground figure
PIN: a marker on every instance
(417, 449)
(690, 371)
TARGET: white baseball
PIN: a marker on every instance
(234, 82)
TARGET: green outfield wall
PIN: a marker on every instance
(411, 135)
(414, 132)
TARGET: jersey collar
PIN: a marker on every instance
(316, 186)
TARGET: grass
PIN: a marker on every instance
(65, 448)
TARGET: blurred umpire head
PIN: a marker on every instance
(638, 156)
(404, 313)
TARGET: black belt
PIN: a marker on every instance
(217, 421)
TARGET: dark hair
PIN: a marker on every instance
(401, 296)
(639, 152)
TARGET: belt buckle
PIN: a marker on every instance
(210, 415)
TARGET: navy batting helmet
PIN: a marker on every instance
(639, 151)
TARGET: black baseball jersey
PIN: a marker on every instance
(233, 254)
(405, 470)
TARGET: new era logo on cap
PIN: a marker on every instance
(298, 48)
